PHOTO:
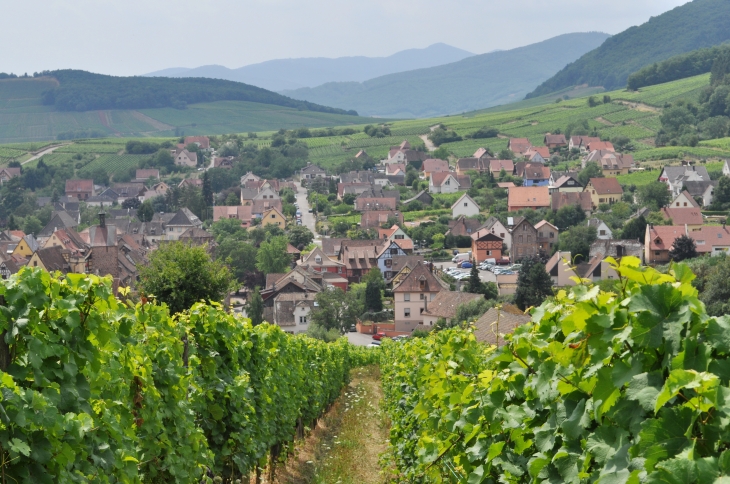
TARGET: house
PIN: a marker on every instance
(486, 245)
(537, 154)
(506, 185)
(560, 270)
(223, 162)
(191, 182)
(183, 220)
(363, 204)
(186, 158)
(444, 306)
(566, 184)
(362, 154)
(196, 237)
(574, 143)
(603, 231)
(75, 249)
(260, 207)
(547, 236)
(394, 169)
(7, 173)
(318, 261)
(241, 212)
(201, 141)
(373, 219)
(59, 220)
(599, 146)
(291, 311)
(481, 153)
(249, 177)
(143, 175)
(155, 190)
(465, 206)
(559, 200)
(604, 190)
(385, 255)
(359, 256)
(463, 227)
(300, 280)
(431, 166)
(11, 266)
(536, 175)
(80, 189)
(50, 259)
(311, 171)
(684, 200)
(519, 146)
(497, 228)
(26, 247)
(497, 322)
(617, 248)
(447, 182)
(413, 295)
(524, 240)
(528, 197)
(423, 197)
(352, 188)
(690, 217)
(702, 190)
(465, 165)
(709, 239)
(496, 166)
(553, 141)
(611, 163)
(397, 234)
(677, 177)
(401, 266)
(273, 217)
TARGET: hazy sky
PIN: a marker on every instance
(126, 37)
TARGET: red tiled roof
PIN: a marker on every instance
(434, 165)
(606, 186)
(683, 216)
(79, 186)
(529, 197)
(601, 145)
(495, 166)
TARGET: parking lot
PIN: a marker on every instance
(485, 276)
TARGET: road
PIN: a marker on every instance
(359, 339)
(44, 152)
(307, 218)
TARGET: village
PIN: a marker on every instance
(425, 282)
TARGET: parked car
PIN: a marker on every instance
(466, 265)
(374, 344)
(515, 267)
(455, 252)
(310, 210)
(379, 336)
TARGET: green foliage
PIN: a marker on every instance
(272, 256)
(337, 309)
(569, 216)
(678, 67)
(374, 286)
(654, 195)
(684, 247)
(592, 170)
(440, 136)
(300, 236)
(473, 310)
(533, 284)
(255, 308)
(484, 132)
(577, 240)
(321, 333)
(634, 229)
(598, 387)
(669, 34)
(180, 276)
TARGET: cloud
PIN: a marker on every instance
(137, 36)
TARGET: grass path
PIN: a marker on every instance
(345, 446)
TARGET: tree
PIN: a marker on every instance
(438, 241)
(145, 212)
(180, 275)
(654, 195)
(506, 154)
(272, 257)
(300, 236)
(472, 310)
(207, 190)
(441, 153)
(255, 308)
(634, 229)
(568, 216)
(684, 248)
(131, 203)
(474, 283)
(238, 255)
(722, 193)
(533, 284)
(336, 309)
(12, 223)
(232, 200)
(32, 225)
(577, 240)
(327, 335)
(716, 293)
(373, 296)
(592, 170)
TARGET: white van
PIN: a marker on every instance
(462, 256)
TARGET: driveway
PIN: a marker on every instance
(359, 339)
(307, 218)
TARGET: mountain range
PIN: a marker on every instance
(694, 25)
(284, 74)
(472, 83)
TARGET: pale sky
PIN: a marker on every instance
(129, 37)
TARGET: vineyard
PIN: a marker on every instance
(99, 390)
(116, 163)
(600, 387)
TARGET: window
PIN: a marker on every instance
(399, 237)
(273, 215)
(422, 298)
(406, 297)
(603, 232)
(520, 239)
(656, 252)
(501, 235)
(318, 260)
(685, 204)
(489, 252)
(539, 234)
(552, 235)
(302, 320)
(407, 312)
(432, 296)
(421, 311)
(524, 227)
(393, 251)
(466, 204)
(388, 262)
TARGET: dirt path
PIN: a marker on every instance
(44, 152)
(640, 106)
(345, 446)
(429, 145)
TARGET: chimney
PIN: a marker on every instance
(102, 219)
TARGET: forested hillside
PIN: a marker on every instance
(473, 83)
(698, 24)
(678, 67)
(85, 91)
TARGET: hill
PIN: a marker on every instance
(24, 117)
(281, 74)
(472, 83)
(697, 24)
(85, 91)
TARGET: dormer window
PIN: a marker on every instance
(318, 260)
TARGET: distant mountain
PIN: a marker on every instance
(476, 82)
(697, 24)
(281, 74)
(85, 91)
